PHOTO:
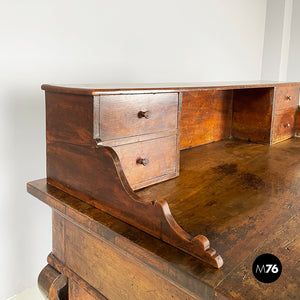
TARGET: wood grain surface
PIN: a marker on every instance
(286, 97)
(119, 115)
(284, 125)
(297, 122)
(76, 292)
(53, 284)
(95, 175)
(69, 118)
(206, 117)
(98, 89)
(162, 160)
(252, 114)
(237, 194)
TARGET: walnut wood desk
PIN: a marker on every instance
(144, 181)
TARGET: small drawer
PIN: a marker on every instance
(286, 97)
(284, 126)
(122, 116)
(149, 162)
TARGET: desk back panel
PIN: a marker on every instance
(206, 117)
(252, 114)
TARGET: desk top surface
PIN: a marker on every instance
(122, 88)
(248, 204)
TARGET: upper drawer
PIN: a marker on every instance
(286, 97)
(130, 115)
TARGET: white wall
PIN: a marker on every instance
(294, 54)
(277, 40)
(92, 41)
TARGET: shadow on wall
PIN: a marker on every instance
(26, 229)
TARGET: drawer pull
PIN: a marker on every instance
(287, 125)
(142, 161)
(288, 98)
(144, 114)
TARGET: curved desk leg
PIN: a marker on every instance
(53, 284)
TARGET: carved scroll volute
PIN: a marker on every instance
(95, 175)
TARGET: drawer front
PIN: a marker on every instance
(286, 97)
(284, 125)
(145, 162)
(131, 115)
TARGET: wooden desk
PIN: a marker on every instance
(233, 192)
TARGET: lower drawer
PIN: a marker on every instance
(284, 126)
(148, 162)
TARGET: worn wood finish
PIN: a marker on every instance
(170, 262)
(285, 244)
(119, 275)
(99, 180)
(69, 118)
(237, 194)
(227, 197)
(286, 97)
(58, 235)
(90, 89)
(297, 122)
(53, 284)
(206, 117)
(46, 278)
(252, 114)
(120, 118)
(161, 155)
(284, 125)
(115, 121)
(73, 279)
(78, 293)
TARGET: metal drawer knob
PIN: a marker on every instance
(287, 125)
(289, 98)
(142, 161)
(144, 114)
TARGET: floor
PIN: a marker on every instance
(29, 294)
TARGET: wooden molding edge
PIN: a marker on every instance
(95, 175)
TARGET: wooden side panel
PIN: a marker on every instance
(78, 293)
(94, 175)
(69, 118)
(114, 273)
(206, 117)
(58, 235)
(297, 122)
(252, 114)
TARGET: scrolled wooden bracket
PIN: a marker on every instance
(95, 175)
(53, 284)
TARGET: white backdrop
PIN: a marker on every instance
(294, 49)
(50, 41)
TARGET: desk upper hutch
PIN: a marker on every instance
(179, 165)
